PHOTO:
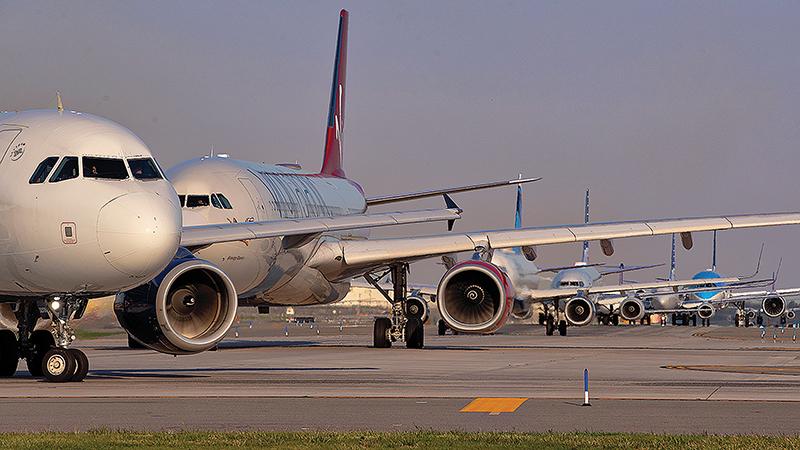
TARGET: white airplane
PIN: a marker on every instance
(716, 294)
(88, 213)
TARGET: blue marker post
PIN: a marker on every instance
(586, 388)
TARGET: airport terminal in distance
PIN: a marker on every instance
(225, 294)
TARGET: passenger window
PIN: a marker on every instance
(182, 199)
(43, 170)
(67, 170)
(196, 201)
(144, 169)
(106, 168)
(225, 203)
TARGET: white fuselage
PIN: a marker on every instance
(84, 235)
(272, 271)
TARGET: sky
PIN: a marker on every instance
(662, 109)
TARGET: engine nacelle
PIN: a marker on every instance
(751, 314)
(631, 309)
(579, 311)
(705, 311)
(475, 297)
(416, 306)
(791, 315)
(773, 305)
(188, 308)
(521, 310)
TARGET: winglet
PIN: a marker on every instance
(451, 205)
(332, 162)
(59, 103)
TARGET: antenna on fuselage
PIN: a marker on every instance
(59, 103)
(585, 254)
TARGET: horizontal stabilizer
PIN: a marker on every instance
(392, 198)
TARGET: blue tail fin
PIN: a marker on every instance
(585, 254)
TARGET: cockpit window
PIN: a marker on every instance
(43, 170)
(224, 200)
(196, 201)
(67, 170)
(215, 201)
(106, 168)
(144, 169)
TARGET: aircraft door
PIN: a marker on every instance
(258, 203)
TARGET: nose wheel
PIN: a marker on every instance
(45, 351)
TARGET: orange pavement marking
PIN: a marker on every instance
(494, 405)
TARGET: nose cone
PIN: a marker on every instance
(139, 233)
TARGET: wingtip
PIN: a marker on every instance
(343, 13)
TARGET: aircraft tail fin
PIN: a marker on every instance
(585, 254)
(672, 260)
(332, 162)
(714, 252)
(518, 213)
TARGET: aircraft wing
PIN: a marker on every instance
(383, 199)
(376, 252)
(195, 236)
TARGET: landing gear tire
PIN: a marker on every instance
(673, 319)
(9, 353)
(549, 326)
(41, 341)
(562, 328)
(694, 321)
(615, 320)
(415, 333)
(134, 344)
(58, 365)
(380, 336)
(81, 365)
(442, 327)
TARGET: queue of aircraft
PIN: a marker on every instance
(90, 213)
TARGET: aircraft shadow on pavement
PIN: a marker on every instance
(198, 372)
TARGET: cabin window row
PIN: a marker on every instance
(98, 168)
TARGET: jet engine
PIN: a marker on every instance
(773, 305)
(631, 309)
(751, 314)
(188, 308)
(416, 306)
(579, 311)
(475, 297)
(705, 311)
(791, 315)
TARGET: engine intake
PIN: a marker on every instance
(631, 309)
(187, 309)
(705, 311)
(790, 314)
(579, 311)
(773, 305)
(475, 297)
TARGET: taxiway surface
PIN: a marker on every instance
(672, 379)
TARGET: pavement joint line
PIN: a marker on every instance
(714, 392)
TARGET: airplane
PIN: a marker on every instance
(686, 306)
(474, 296)
(89, 213)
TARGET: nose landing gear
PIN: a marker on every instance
(45, 352)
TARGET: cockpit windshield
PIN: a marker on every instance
(105, 168)
(144, 169)
(67, 170)
(196, 201)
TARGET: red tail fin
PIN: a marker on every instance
(332, 164)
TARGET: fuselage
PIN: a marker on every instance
(85, 210)
(271, 271)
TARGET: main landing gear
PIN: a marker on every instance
(405, 324)
(552, 322)
(46, 352)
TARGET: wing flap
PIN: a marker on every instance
(193, 236)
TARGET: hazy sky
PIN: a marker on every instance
(661, 108)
